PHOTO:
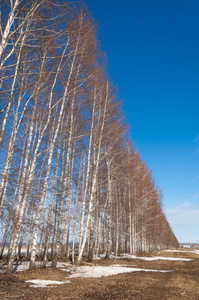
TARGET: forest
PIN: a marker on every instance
(71, 179)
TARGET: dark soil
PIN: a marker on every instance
(182, 283)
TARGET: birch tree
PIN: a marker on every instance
(69, 171)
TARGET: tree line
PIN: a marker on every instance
(70, 177)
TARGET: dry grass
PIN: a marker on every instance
(182, 283)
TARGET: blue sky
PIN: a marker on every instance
(153, 54)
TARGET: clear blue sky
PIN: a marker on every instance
(153, 53)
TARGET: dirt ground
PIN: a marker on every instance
(182, 283)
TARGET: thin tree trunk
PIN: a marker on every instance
(50, 213)
(94, 183)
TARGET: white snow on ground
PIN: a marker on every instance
(89, 271)
(99, 271)
(63, 264)
(99, 256)
(164, 258)
(23, 266)
(192, 251)
(126, 255)
(115, 265)
(44, 283)
(177, 250)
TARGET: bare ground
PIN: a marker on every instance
(182, 283)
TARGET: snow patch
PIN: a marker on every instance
(23, 266)
(115, 265)
(193, 251)
(132, 256)
(45, 283)
(100, 271)
(164, 258)
(177, 250)
(129, 256)
(63, 264)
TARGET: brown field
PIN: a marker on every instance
(182, 283)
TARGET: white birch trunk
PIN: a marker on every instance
(50, 213)
(76, 213)
(87, 176)
(109, 220)
(22, 197)
(117, 229)
(15, 128)
(64, 100)
(94, 183)
(67, 217)
(11, 18)
(21, 204)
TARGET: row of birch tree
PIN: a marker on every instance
(69, 176)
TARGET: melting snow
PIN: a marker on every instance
(44, 283)
(126, 255)
(164, 258)
(115, 265)
(23, 266)
(193, 251)
(99, 271)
